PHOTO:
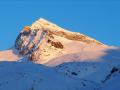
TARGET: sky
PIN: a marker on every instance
(99, 19)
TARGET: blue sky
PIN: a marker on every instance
(99, 19)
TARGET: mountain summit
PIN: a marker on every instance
(43, 41)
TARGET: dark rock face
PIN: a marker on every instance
(114, 69)
(74, 73)
(55, 44)
(26, 33)
(32, 57)
(24, 43)
(112, 72)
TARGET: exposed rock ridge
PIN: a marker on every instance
(54, 29)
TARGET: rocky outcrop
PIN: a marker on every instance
(55, 44)
(114, 71)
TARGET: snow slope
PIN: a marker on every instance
(9, 55)
(113, 81)
(29, 76)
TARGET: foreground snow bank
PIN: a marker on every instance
(29, 76)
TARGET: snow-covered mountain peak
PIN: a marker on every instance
(44, 41)
(42, 23)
